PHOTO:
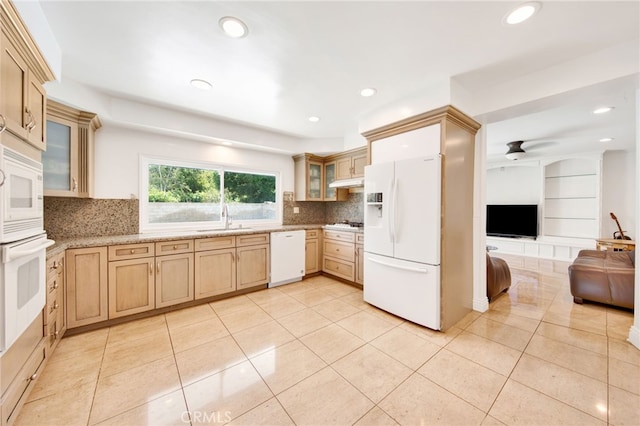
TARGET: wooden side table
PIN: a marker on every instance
(613, 244)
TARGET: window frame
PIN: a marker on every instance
(145, 226)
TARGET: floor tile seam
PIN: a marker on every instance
(189, 324)
(622, 389)
(320, 356)
(566, 368)
(140, 365)
(563, 402)
(496, 341)
(275, 394)
(460, 397)
(564, 342)
(487, 317)
(95, 388)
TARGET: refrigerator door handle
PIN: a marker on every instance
(395, 210)
(405, 268)
(390, 218)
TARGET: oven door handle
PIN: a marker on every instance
(10, 255)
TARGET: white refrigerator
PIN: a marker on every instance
(402, 238)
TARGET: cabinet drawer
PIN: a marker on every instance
(215, 243)
(311, 234)
(130, 251)
(19, 390)
(359, 238)
(251, 240)
(340, 236)
(339, 250)
(339, 268)
(174, 247)
(54, 303)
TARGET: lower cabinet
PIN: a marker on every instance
(105, 283)
(86, 282)
(227, 264)
(131, 287)
(343, 255)
(54, 314)
(313, 251)
(215, 272)
(174, 272)
(359, 263)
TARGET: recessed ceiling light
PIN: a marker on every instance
(314, 119)
(369, 91)
(602, 110)
(201, 84)
(233, 27)
(521, 13)
(606, 139)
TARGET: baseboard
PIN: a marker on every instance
(634, 336)
(481, 304)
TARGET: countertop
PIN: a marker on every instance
(97, 241)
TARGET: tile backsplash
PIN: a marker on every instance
(87, 217)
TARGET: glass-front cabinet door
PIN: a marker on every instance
(329, 177)
(60, 159)
(315, 181)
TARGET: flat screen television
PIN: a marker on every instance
(512, 220)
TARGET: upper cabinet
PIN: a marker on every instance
(351, 164)
(309, 178)
(23, 71)
(69, 159)
(314, 174)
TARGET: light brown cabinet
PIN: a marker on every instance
(313, 251)
(68, 162)
(23, 102)
(253, 259)
(23, 72)
(339, 254)
(359, 259)
(351, 164)
(54, 315)
(87, 286)
(227, 264)
(174, 273)
(131, 279)
(308, 177)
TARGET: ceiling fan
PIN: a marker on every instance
(515, 150)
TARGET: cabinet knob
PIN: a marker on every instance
(33, 377)
(132, 251)
(175, 247)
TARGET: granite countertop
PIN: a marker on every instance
(84, 242)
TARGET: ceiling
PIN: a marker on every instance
(305, 58)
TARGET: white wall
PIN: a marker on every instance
(118, 152)
(618, 195)
(518, 184)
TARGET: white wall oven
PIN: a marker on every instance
(23, 281)
(21, 213)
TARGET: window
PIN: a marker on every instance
(177, 195)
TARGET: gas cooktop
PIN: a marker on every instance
(345, 225)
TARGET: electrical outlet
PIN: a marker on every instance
(296, 210)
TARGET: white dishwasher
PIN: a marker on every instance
(287, 257)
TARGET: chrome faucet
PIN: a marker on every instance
(225, 215)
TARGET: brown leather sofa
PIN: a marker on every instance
(603, 276)
(498, 277)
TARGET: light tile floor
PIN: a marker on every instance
(313, 353)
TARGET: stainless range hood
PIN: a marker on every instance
(347, 183)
